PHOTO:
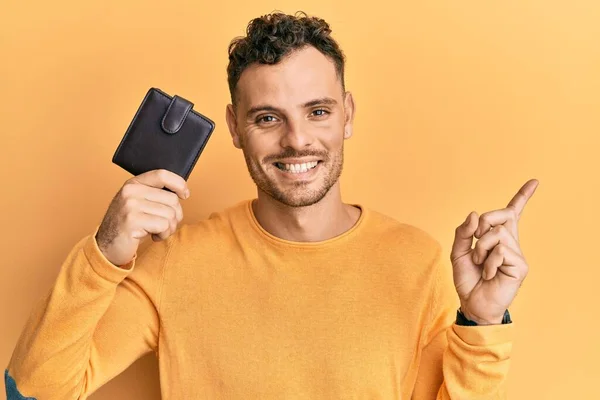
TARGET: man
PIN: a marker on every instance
(292, 295)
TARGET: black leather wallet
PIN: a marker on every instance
(165, 133)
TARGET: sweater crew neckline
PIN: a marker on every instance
(323, 244)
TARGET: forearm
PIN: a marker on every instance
(52, 355)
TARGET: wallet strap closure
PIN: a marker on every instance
(176, 114)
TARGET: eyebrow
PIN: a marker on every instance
(312, 103)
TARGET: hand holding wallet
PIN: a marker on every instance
(165, 133)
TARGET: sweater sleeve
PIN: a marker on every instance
(460, 362)
(95, 321)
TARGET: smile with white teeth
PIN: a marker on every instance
(297, 168)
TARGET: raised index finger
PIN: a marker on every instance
(523, 195)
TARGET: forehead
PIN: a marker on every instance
(304, 75)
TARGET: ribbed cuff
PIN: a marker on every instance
(100, 263)
(485, 335)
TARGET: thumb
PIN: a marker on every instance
(463, 236)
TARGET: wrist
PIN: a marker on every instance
(115, 259)
(465, 318)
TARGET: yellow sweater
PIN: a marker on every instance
(233, 312)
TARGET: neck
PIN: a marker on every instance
(326, 219)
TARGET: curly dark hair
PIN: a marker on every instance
(271, 37)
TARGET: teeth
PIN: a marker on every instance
(298, 168)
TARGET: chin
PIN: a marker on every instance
(300, 196)
(298, 201)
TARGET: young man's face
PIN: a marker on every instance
(291, 120)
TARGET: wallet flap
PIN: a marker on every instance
(175, 115)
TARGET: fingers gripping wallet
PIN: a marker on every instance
(165, 133)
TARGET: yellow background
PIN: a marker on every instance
(458, 104)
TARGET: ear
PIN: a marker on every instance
(232, 124)
(349, 111)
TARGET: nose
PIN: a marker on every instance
(296, 135)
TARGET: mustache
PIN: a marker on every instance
(291, 153)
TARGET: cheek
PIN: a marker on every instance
(336, 138)
(339, 129)
(256, 147)
(248, 140)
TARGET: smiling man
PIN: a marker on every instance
(291, 295)
(291, 119)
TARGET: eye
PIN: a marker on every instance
(320, 112)
(265, 119)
